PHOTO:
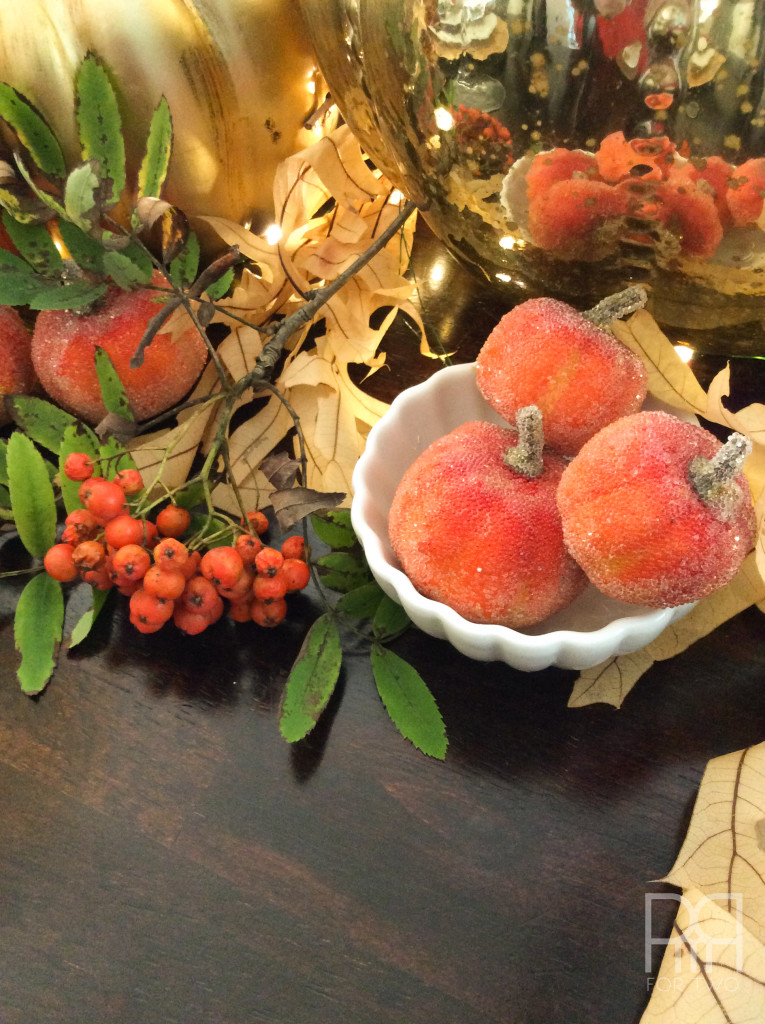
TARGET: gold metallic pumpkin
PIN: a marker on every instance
(235, 73)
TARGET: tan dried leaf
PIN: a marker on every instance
(669, 378)
(610, 682)
(165, 457)
(723, 850)
(713, 969)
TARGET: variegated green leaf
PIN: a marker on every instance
(100, 125)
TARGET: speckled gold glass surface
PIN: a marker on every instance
(569, 148)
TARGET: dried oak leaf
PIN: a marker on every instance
(713, 968)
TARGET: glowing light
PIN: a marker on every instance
(436, 274)
(272, 234)
(444, 119)
(396, 197)
(503, 277)
(685, 352)
(511, 242)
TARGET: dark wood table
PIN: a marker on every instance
(166, 858)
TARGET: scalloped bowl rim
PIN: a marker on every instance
(631, 628)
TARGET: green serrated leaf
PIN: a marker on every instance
(45, 197)
(85, 623)
(343, 572)
(390, 619)
(37, 629)
(100, 125)
(184, 268)
(335, 529)
(32, 498)
(409, 702)
(112, 388)
(81, 196)
(312, 680)
(361, 603)
(44, 422)
(221, 286)
(35, 244)
(3, 462)
(125, 271)
(191, 495)
(76, 295)
(18, 281)
(114, 456)
(159, 145)
(32, 130)
(24, 208)
(84, 250)
(5, 497)
(76, 438)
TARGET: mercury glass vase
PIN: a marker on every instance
(572, 147)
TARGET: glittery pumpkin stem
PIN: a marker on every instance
(526, 456)
(617, 306)
(710, 477)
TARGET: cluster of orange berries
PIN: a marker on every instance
(105, 545)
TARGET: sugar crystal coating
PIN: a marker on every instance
(543, 352)
(478, 536)
(63, 348)
(634, 522)
(17, 375)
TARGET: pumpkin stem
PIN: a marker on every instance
(526, 456)
(617, 306)
(711, 478)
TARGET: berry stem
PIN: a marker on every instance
(710, 477)
(526, 456)
(617, 306)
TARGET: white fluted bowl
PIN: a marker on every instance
(590, 630)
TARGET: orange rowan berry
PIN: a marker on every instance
(124, 530)
(99, 578)
(130, 562)
(269, 613)
(257, 520)
(293, 547)
(173, 521)
(295, 573)
(151, 534)
(222, 565)
(188, 621)
(241, 586)
(191, 565)
(199, 595)
(90, 554)
(240, 611)
(59, 564)
(78, 466)
(129, 480)
(86, 488)
(170, 553)
(248, 546)
(149, 608)
(268, 561)
(217, 609)
(128, 589)
(79, 525)
(269, 588)
(167, 583)
(146, 627)
(106, 500)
